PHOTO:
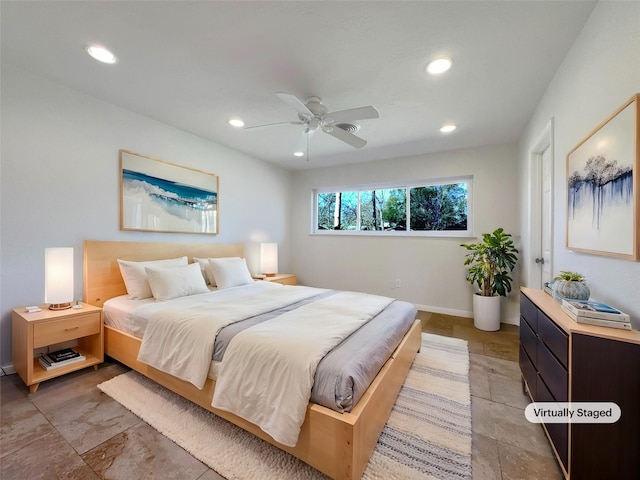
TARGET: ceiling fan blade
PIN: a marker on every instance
(361, 113)
(254, 127)
(347, 137)
(295, 103)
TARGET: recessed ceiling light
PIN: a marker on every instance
(101, 54)
(298, 154)
(236, 122)
(449, 127)
(439, 65)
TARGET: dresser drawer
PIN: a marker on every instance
(554, 338)
(57, 331)
(528, 373)
(529, 311)
(555, 376)
(558, 432)
(528, 340)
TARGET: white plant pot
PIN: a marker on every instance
(486, 312)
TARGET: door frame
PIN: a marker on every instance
(534, 212)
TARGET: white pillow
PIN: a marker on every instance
(135, 278)
(206, 268)
(173, 282)
(230, 272)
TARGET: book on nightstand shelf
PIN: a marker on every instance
(60, 358)
(63, 354)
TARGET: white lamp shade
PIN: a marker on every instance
(58, 275)
(269, 258)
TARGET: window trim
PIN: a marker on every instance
(468, 179)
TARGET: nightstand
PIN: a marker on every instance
(283, 278)
(32, 331)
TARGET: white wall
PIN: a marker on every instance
(431, 269)
(599, 74)
(60, 185)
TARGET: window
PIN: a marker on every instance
(441, 207)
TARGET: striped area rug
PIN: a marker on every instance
(427, 436)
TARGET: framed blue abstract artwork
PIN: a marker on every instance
(603, 187)
(159, 196)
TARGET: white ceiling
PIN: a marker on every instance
(196, 64)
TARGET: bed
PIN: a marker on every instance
(336, 439)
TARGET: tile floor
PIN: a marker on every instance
(505, 444)
(68, 429)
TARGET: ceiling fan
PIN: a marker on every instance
(313, 114)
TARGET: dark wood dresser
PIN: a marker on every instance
(564, 361)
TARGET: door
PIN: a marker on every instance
(540, 268)
(547, 214)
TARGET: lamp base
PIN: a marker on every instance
(60, 306)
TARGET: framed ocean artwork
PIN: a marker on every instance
(158, 196)
(603, 188)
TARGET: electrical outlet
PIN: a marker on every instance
(397, 283)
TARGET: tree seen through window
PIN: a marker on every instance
(440, 207)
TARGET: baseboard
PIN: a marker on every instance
(445, 311)
(8, 369)
(461, 313)
(512, 321)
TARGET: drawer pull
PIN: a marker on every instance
(72, 328)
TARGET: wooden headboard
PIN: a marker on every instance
(102, 279)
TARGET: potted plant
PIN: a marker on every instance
(492, 261)
(570, 285)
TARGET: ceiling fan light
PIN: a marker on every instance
(448, 128)
(236, 122)
(101, 54)
(439, 65)
(311, 128)
(298, 154)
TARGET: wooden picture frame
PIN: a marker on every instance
(158, 196)
(603, 188)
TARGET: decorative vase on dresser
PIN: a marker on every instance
(571, 289)
(570, 285)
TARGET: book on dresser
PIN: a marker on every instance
(600, 322)
(591, 309)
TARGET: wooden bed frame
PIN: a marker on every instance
(337, 444)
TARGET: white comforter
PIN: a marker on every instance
(180, 335)
(268, 370)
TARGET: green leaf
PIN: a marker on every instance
(491, 260)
